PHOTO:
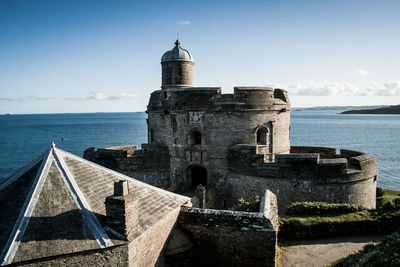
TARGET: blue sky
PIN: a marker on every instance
(104, 56)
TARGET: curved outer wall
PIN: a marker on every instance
(349, 177)
(222, 120)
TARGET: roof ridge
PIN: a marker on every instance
(123, 175)
(86, 211)
(9, 250)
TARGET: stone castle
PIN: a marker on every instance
(237, 144)
(170, 202)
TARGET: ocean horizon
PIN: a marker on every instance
(24, 137)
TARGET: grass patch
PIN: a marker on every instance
(387, 198)
(386, 253)
(337, 218)
(388, 193)
(356, 223)
(316, 208)
(385, 219)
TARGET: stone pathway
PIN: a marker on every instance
(321, 252)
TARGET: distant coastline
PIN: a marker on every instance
(381, 110)
(341, 108)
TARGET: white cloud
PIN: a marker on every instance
(96, 96)
(122, 96)
(27, 98)
(184, 22)
(384, 89)
(99, 96)
(324, 88)
(362, 72)
(273, 84)
(102, 96)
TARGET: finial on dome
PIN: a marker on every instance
(178, 43)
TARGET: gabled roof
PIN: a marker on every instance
(55, 205)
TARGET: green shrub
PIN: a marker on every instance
(386, 253)
(315, 220)
(380, 202)
(355, 223)
(253, 205)
(317, 208)
(379, 192)
(388, 204)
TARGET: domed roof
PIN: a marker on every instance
(177, 54)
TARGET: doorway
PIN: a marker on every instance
(197, 175)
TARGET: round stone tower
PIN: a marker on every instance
(200, 125)
(177, 68)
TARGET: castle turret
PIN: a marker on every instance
(177, 68)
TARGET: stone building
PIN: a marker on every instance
(238, 145)
(61, 209)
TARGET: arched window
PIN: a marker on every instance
(261, 136)
(195, 138)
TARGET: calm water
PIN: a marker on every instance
(24, 137)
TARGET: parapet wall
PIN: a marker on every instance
(151, 164)
(322, 175)
(232, 238)
(260, 98)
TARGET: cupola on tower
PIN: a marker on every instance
(177, 68)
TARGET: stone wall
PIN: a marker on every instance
(113, 256)
(151, 164)
(147, 249)
(223, 120)
(176, 74)
(231, 238)
(303, 177)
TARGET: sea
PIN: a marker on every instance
(25, 137)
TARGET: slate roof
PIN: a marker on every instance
(55, 205)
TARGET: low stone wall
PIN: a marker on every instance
(232, 238)
(113, 256)
(128, 158)
(348, 177)
(269, 208)
(324, 152)
(159, 178)
(150, 164)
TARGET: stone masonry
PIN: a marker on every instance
(238, 144)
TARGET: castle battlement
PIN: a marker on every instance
(320, 164)
(211, 98)
(308, 174)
